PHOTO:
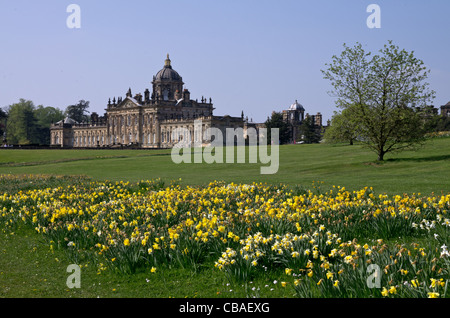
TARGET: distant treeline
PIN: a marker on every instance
(23, 123)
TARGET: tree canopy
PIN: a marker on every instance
(276, 121)
(45, 117)
(310, 133)
(3, 117)
(388, 92)
(27, 124)
(344, 127)
(21, 125)
(78, 112)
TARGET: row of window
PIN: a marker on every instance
(88, 141)
(132, 120)
(146, 138)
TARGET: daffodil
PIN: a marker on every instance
(393, 290)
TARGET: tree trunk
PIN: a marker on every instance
(381, 154)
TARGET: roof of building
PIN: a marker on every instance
(296, 106)
(168, 73)
(67, 120)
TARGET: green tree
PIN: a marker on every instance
(344, 127)
(389, 93)
(3, 117)
(78, 112)
(309, 131)
(45, 117)
(276, 121)
(437, 123)
(22, 125)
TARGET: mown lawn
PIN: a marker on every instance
(30, 268)
(354, 167)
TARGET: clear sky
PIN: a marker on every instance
(251, 55)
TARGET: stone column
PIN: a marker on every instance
(158, 132)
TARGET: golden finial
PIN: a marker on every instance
(167, 63)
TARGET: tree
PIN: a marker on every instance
(344, 127)
(22, 125)
(276, 121)
(78, 112)
(309, 132)
(389, 93)
(3, 117)
(45, 117)
(437, 123)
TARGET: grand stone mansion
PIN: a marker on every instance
(145, 121)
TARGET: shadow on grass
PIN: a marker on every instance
(415, 159)
(420, 159)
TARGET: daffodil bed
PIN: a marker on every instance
(333, 244)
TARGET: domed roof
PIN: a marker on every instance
(167, 73)
(296, 106)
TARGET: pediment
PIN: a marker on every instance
(129, 103)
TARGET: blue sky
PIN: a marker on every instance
(251, 55)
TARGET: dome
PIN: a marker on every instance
(296, 106)
(167, 73)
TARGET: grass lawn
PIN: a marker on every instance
(354, 167)
(29, 268)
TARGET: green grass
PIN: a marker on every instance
(354, 167)
(28, 268)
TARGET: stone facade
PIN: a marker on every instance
(295, 115)
(145, 121)
(445, 110)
